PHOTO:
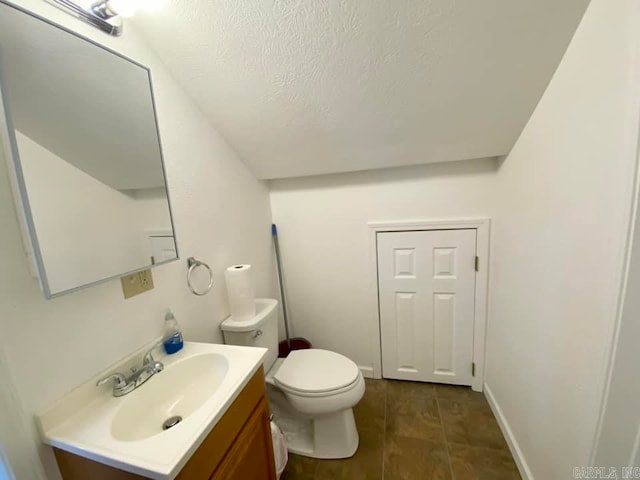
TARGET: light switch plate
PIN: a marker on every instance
(137, 283)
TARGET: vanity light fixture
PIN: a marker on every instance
(100, 14)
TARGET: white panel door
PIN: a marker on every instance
(426, 282)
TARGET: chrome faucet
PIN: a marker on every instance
(123, 385)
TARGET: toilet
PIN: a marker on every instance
(311, 392)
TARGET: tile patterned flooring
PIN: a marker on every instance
(418, 431)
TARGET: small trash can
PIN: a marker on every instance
(279, 448)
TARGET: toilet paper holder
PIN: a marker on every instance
(193, 264)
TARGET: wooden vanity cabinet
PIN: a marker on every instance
(251, 455)
(238, 448)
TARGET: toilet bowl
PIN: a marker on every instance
(311, 392)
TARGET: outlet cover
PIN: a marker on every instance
(137, 283)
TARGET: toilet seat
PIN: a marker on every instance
(316, 372)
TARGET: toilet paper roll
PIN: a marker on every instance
(240, 292)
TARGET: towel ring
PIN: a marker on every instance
(193, 264)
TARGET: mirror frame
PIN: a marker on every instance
(21, 198)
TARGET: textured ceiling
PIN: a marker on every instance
(305, 87)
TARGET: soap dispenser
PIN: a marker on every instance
(173, 341)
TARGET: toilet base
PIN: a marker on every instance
(330, 436)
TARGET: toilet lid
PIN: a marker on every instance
(316, 371)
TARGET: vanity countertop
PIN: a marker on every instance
(126, 432)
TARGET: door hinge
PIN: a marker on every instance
(473, 369)
(477, 264)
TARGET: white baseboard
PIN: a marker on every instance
(367, 372)
(521, 462)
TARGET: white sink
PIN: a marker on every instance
(199, 383)
(176, 391)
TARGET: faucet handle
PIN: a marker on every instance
(119, 380)
(148, 357)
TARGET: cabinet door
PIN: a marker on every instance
(251, 456)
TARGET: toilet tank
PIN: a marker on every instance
(259, 331)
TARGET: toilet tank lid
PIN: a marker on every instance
(264, 306)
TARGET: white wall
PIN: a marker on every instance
(222, 216)
(17, 441)
(620, 430)
(325, 241)
(559, 242)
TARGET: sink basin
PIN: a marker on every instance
(176, 391)
(198, 384)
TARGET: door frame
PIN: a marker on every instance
(482, 226)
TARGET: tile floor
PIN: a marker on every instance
(418, 431)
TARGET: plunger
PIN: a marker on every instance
(296, 343)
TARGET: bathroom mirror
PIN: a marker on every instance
(80, 135)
